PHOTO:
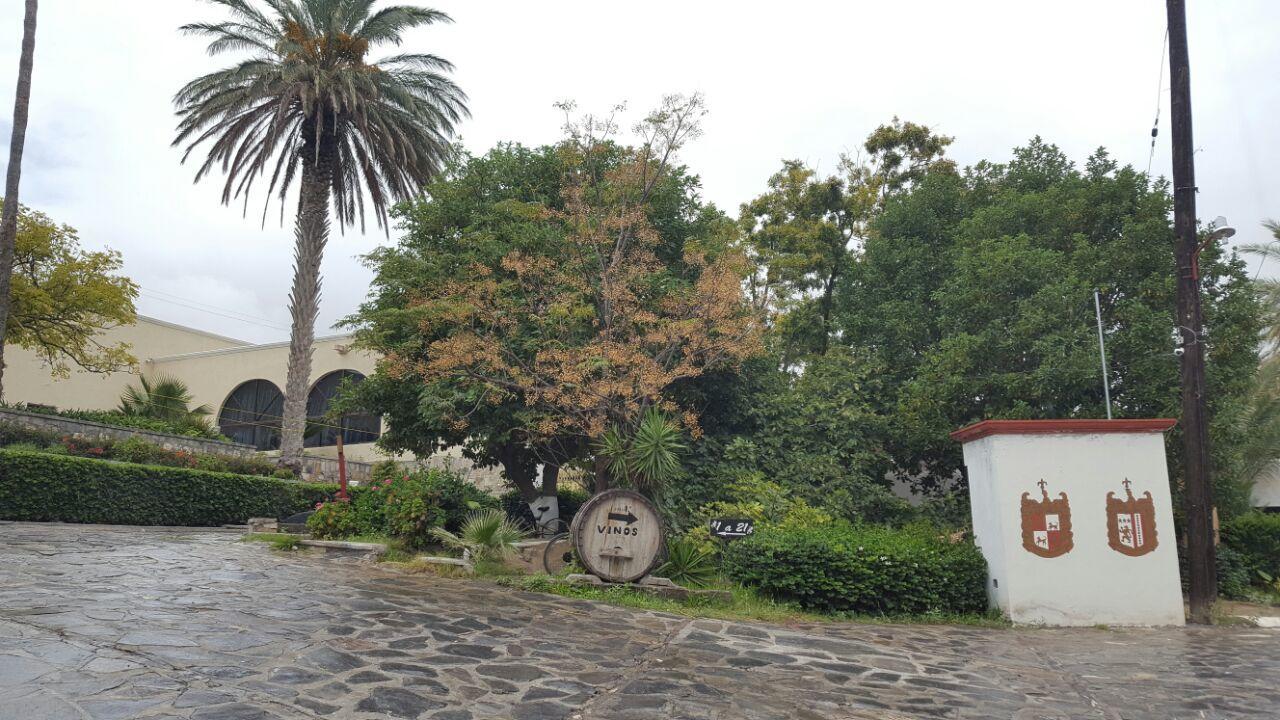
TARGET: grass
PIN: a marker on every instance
(278, 541)
(744, 604)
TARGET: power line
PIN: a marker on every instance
(212, 310)
(1155, 126)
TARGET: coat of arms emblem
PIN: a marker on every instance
(1046, 524)
(1131, 523)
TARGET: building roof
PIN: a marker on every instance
(184, 328)
(247, 347)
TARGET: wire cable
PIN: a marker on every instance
(1155, 126)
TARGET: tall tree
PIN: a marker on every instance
(975, 296)
(576, 290)
(307, 102)
(62, 297)
(18, 140)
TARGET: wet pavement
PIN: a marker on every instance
(105, 623)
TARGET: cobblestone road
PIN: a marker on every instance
(106, 623)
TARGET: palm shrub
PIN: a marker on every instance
(165, 398)
(647, 456)
(488, 535)
(688, 563)
(307, 104)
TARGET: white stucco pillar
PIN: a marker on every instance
(1075, 519)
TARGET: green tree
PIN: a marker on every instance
(801, 235)
(308, 104)
(62, 298)
(975, 297)
(543, 296)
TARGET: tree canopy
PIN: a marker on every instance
(543, 296)
(63, 297)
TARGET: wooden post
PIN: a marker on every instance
(1197, 491)
(342, 469)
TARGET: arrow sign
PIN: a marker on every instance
(628, 518)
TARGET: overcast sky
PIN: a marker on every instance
(802, 79)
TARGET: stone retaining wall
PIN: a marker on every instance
(89, 430)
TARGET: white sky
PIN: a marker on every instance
(802, 79)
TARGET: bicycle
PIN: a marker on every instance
(558, 554)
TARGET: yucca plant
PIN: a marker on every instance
(308, 104)
(648, 456)
(486, 535)
(163, 398)
(688, 563)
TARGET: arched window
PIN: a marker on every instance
(251, 414)
(356, 427)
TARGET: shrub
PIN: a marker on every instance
(10, 434)
(45, 487)
(517, 509)
(25, 447)
(1256, 538)
(863, 569)
(119, 419)
(333, 519)
(412, 509)
(688, 563)
(456, 497)
(368, 510)
(487, 534)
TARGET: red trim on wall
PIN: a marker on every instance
(1054, 427)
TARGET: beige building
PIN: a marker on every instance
(241, 382)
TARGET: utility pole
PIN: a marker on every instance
(1197, 492)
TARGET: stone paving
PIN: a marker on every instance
(106, 623)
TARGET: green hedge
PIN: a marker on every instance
(1256, 537)
(45, 487)
(862, 569)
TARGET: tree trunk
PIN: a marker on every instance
(310, 234)
(9, 220)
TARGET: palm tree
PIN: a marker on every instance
(17, 141)
(164, 398)
(307, 104)
(1269, 289)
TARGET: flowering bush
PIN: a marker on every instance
(412, 509)
(332, 519)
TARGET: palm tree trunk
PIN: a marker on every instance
(9, 220)
(311, 233)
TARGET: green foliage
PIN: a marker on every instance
(1255, 537)
(333, 519)
(767, 504)
(303, 84)
(412, 508)
(137, 422)
(571, 499)
(688, 563)
(648, 455)
(862, 569)
(45, 487)
(817, 435)
(487, 534)
(286, 542)
(164, 398)
(63, 297)
(973, 299)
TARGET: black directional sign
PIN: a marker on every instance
(732, 528)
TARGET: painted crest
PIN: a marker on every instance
(1131, 523)
(1046, 524)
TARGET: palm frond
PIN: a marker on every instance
(306, 88)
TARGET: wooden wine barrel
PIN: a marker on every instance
(618, 536)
